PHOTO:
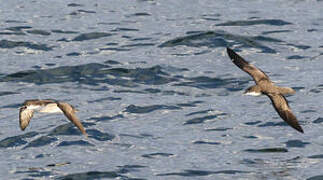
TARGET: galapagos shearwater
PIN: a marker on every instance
(265, 86)
(28, 108)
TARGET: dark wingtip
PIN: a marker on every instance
(230, 52)
(299, 129)
(233, 55)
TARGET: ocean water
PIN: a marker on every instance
(156, 91)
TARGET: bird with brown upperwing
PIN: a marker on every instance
(28, 108)
(265, 86)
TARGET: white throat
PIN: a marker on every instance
(253, 93)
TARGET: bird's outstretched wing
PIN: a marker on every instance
(70, 114)
(252, 70)
(281, 106)
(24, 117)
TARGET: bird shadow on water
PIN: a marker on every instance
(61, 130)
(49, 170)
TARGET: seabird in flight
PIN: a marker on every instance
(265, 86)
(47, 106)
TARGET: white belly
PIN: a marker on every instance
(51, 108)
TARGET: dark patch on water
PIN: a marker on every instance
(86, 11)
(211, 19)
(129, 91)
(249, 161)
(75, 143)
(16, 33)
(315, 91)
(68, 129)
(320, 177)
(125, 29)
(297, 88)
(36, 67)
(107, 118)
(318, 120)
(303, 47)
(91, 74)
(215, 39)
(92, 175)
(41, 141)
(100, 136)
(274, 32)
(105, 99)
(42, 156)
(74, 5)
(112, 44)
(312, 30)
(141, 14)
(138, 45)
(199, 120)
(63, 40)
(190, 104)
(6, 44)
(272, 22)
(90, 36)
(252, 123)
(318, 156)
(296, 57)
(200, 112)
(154, 155)
(14, 21)
(16, 106)
(219, 129)
(142, 39)
(130, 168)
(204, 82)
(35, 172)
(250, 137)
(146, 135)
(5, 93)
(38, 32)
(16, 140)
(50, 64)
(73, 54)
(268, 124)
(114, 49)
(267, 150)
(308, 111)
(192, 173)
(206, 142)
(147, 109)
(111, 62)
(140, 136)
(152, 90)
(296, 143)
(18, 28)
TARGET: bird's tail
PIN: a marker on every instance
(286, 90)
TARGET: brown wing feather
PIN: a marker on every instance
(281, 106)
(24, 117)
(252, 70)
(70, 114)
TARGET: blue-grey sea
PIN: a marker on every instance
(156, 91)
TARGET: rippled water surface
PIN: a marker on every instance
(156, 91)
